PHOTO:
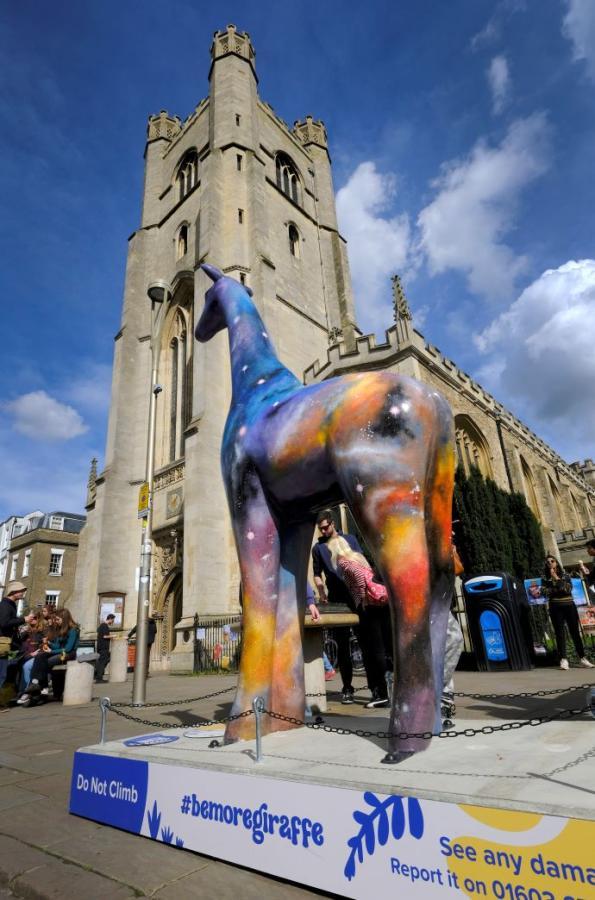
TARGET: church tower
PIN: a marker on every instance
(235, 186)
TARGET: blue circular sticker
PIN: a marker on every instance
(146, 740)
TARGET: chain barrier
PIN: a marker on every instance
(358, 732)
(526, 694)
(521, 696)
(426, 735)
(570, 765)
(199, 724)
(176, 702)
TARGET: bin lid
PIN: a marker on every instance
(482, 583)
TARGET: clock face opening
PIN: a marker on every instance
(175, 500)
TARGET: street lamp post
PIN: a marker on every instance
(159, 293)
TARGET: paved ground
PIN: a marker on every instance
(46, 853)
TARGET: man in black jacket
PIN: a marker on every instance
(9, 620)
(151, 633)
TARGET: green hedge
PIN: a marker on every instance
(496, 531)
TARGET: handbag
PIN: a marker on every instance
(5, 645)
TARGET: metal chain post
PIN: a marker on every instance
(258, 709)
(104, 705)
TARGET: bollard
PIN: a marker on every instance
(258, 706)
(78, 683)
(118, 664)
(104, 705)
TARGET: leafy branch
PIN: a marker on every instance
(376, 827)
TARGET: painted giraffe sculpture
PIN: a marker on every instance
(380, 442)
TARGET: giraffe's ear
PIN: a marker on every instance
(212, 271)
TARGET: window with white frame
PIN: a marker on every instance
(13, 567)
(26, 563)
(57, 523)
(52, 598)
(56, 561)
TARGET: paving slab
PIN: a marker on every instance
(14, 795)
(226, 882)
(17, 858)
(58, 880)
(145, 865)
(50, 824)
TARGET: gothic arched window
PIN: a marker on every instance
(557, 509)
(175, 405)
(182, 242)
(530, 492)
(287, 177)
(187, 175)
(294, 240)
(472, 447)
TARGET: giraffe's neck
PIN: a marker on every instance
(254, 362)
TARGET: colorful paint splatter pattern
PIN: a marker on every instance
(382, 443)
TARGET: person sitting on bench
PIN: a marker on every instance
(61, 648)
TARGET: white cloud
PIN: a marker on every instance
(578, 26)
(92, 391)
(500, 83)
(41, 417)
(378, 244)
(540, 359)
(464, 227)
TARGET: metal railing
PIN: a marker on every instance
(217, 643)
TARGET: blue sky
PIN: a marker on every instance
(463, 143)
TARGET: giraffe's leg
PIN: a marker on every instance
(288, 692)
(438, 530)
(257, 541)
(392, 520)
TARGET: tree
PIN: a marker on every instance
(496, 531)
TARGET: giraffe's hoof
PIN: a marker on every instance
(398, 756)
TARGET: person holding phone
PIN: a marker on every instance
(557, 587)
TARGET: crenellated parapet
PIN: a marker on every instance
(311, 132)
(586, 470)
(233, 41)
(163, 126)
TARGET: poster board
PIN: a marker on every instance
(112, 603)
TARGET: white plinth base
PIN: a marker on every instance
(472, 815)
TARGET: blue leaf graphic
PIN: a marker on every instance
(349, 870)
(374, 827)
(167, 835)
(179, 842)
(372, 800)
(154, 820)
(416, 818)
(398, 818)
(383, 829)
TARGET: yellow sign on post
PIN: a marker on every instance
(143, 501)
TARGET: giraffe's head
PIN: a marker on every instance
(217, 300)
